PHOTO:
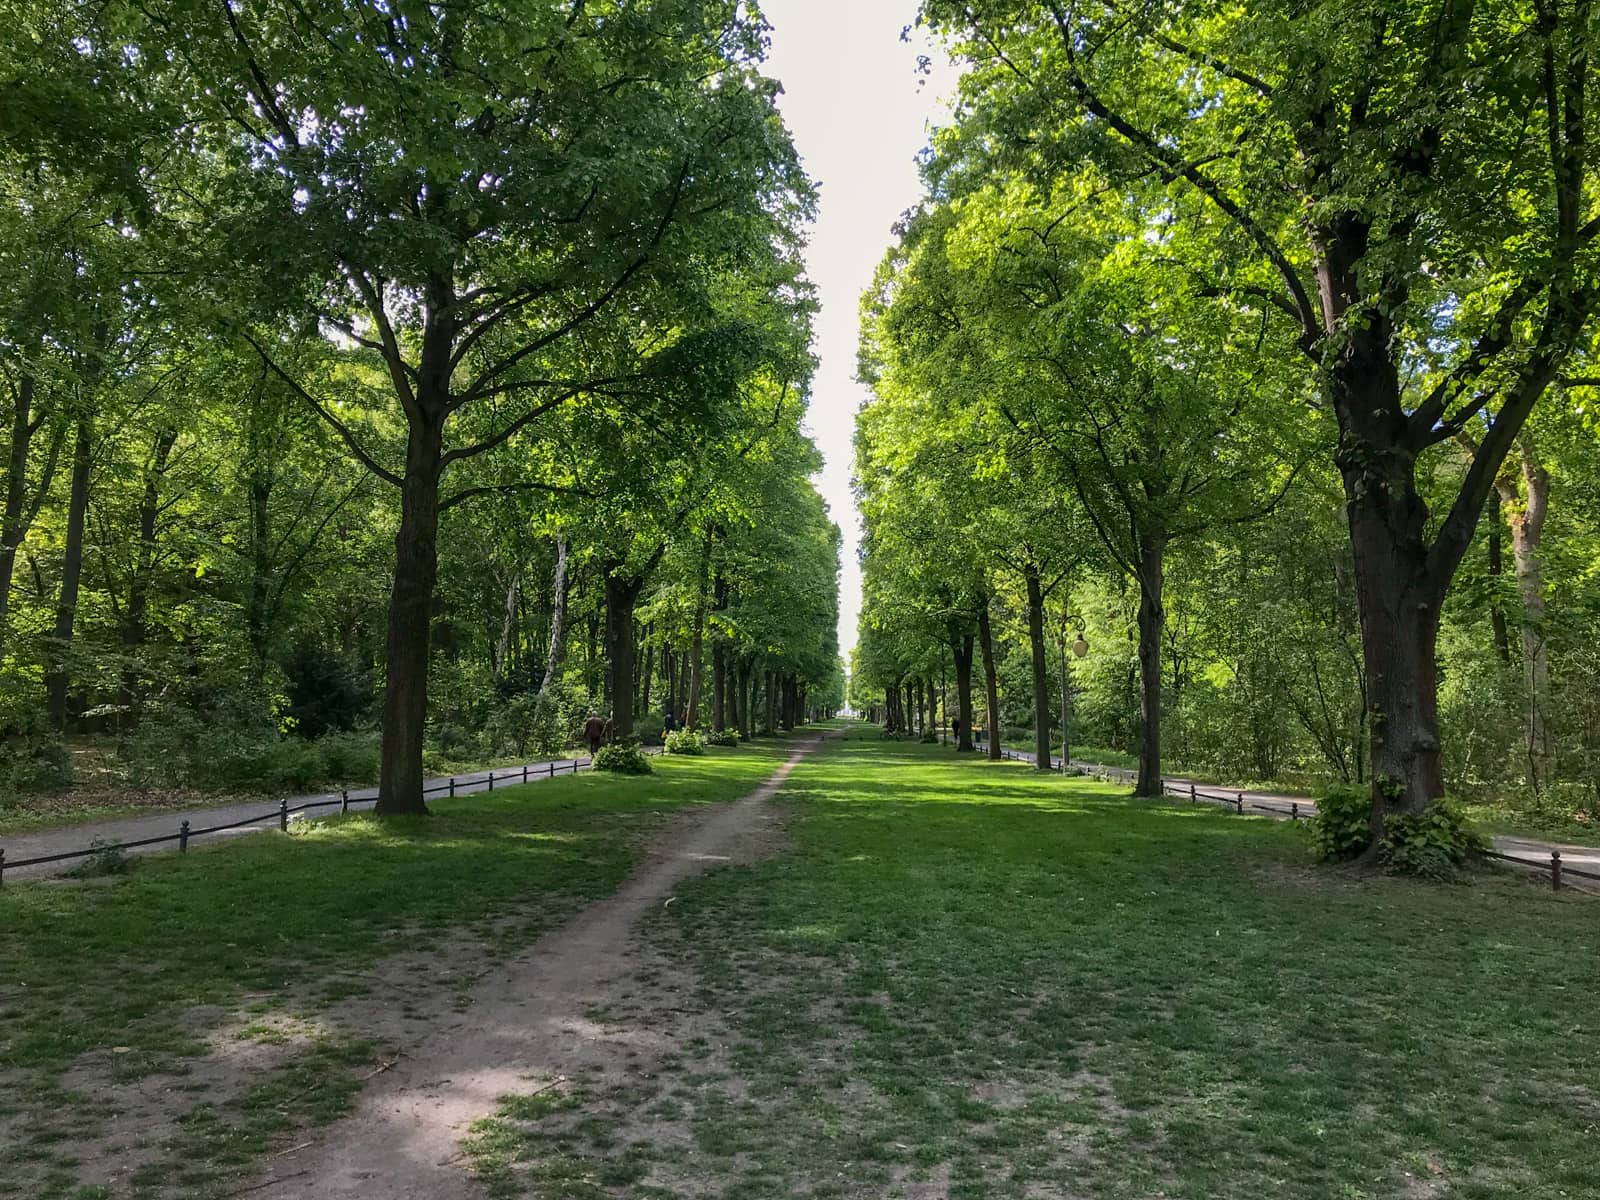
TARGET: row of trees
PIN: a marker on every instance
(1186, 284)
(349, 345)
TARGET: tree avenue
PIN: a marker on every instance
(514, 288)
(1184, 238)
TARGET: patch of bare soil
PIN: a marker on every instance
(534, 1022)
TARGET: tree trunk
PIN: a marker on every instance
(558, 619)
(57, 679)
(1152, 625)
(19, 513)
(508, 628)
(622, 594)
(719, 687)
(649, 669)
(1066, 702)
(409, 637)
(962, 649)
(1527, 516)
(697, 654)
(135, 623)
(1041, 669)
(991, 685)
(772, 701)
(1497, 609)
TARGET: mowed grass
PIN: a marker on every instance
(966, 980)
(114, 991)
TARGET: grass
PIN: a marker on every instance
(116, 990)
(968, 981)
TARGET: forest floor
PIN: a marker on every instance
(910, 976)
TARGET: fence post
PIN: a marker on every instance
(1191, 793)
(1555, 870)
(1238, 802)
(1294, 810)
(552, 768)
(183, 838)
(491, 781)
(344, 800)
(283, 815)
(524, 772)
(2, 867)
(452, 787)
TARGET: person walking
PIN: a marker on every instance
(594, 732)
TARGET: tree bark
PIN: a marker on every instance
(1526, 515)
(135, 624)
(19, 513)
(1041, 670)
(558, 619)
(697, 653)
(1497, 609)
(409, 635)
(649, 669)
(622, 595)
(961, 648)
(57, 676)
(991, 685)
(1152, 624)
(508, 628)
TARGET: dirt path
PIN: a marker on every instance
(527, 1026)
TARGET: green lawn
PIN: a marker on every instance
(964, 980)
(119, 997)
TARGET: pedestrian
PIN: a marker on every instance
(955, 729)
(669, 723)
(594, 731)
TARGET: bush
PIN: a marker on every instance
(651, 728)
(33, 763)
(350, 757)
(725, 737)
(1432, 843)
(930, 739)
(108, 859)
(685, 741)
(1342, 827)
(624, 758)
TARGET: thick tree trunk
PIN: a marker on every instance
(409, 637)
(622, 594)
(1399, 607)
(57, 677)
(1526, 514)
(962, 649)
(991, 684)
(1152, 626)
(557, 650)
(1041, 669)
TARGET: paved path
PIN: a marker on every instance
(258, 815)
(1532, 851)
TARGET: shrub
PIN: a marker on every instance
(1342, 827)
(108, 859)
(724, 737)
(33, 763)
(930, 739)
(553, 719)
(685, 741)
(1432, 843)
(624, 758)
(350, 757)
(651, 729)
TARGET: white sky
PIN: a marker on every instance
(851, 99)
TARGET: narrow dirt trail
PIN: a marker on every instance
(525, 1027)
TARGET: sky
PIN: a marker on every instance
(852, 100)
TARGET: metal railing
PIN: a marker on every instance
(1296, 811)
(467, 784)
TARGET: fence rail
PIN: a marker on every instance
(1559, 871)
(467, 784)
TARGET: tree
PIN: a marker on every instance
(1367, 168)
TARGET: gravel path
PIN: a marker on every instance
(259, 815)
